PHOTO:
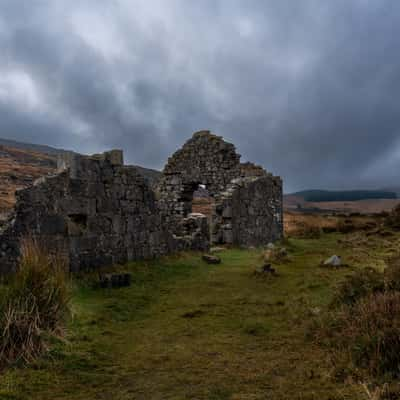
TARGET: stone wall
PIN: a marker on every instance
(249, 169)
(245, 190)
(250, 212)
(204, 159)
(192, 233)
(95, 212)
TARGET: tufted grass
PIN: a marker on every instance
(186, 330)
(35, 306)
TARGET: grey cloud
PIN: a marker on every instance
(308, 89)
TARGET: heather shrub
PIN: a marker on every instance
(346, 226)
(308, 231)
(358, 285)
(329, 229)
(393, 218)
(363, 328)
(367, 334)
(392, 274)
(34, 306)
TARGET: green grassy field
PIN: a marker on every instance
(187, 330)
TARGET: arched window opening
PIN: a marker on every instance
(203, 202)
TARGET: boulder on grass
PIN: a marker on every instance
(282, 253)
(217, 249)
(211, 259)
(334, 261)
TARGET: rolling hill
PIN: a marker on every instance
(344, 195)
(18, 169)
(31, 147)
(363, 201)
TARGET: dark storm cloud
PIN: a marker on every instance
(308, 88)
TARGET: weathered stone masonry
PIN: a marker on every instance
(205, 159)
(96, 211)
(248, 200)
(249, 213)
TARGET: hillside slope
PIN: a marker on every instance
(18, 169)
(344, 195)
(22, 163)
(361, 201)
(31, 147)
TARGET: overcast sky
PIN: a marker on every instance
(307, 88)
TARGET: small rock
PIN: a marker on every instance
(282, 253)
(334, 261)
(196, 215)
(315, 311)
(211, 259)
(217, 249)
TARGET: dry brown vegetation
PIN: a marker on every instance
(393, 218)
(370, 206)
(362, 329)
(361, 206)
(311, 225)
(203, 205)
(365, 336)
(392, 273)
(34, 306)
(296, 223)
(18, 169)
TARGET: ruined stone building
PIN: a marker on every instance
(96, 211)
(248, 200)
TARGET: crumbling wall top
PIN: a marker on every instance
(77, 163)
(205, 159)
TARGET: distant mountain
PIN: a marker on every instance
(343, 195)
(344, 201)
(39, 148)
(395, 189)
